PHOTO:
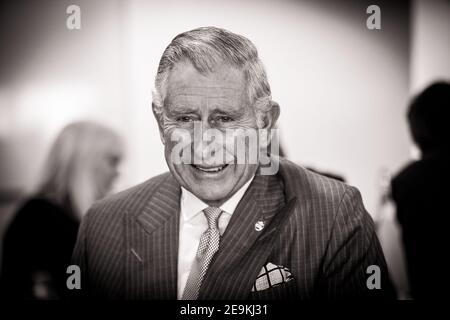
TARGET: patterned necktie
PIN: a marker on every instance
(209, 244)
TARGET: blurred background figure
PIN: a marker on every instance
(421, 191)
(81, 167)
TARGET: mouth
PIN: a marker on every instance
(210, 169)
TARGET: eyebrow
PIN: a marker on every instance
(233, 111)
(201, 90)
(178, 110)
(182, 109)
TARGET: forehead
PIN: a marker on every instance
(226, 84)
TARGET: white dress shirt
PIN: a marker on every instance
(192, 225)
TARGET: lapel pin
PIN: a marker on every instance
(259, 226)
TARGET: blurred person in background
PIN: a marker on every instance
(420, 193)
(80, 169)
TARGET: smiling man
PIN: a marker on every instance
(216, 100)
(221, 224)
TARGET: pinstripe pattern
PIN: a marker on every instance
(316, 227)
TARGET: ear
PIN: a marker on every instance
(271, 116)
(159, 120)
(270, 119)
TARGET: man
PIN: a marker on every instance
(219, 227)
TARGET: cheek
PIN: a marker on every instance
(170, 125)
(113, 171)
(169, 153)
(168, 128)
(169, 145)
(178, 146)
(243, 146)
(105, 171)
(248, 122)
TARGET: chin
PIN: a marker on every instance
(209, 195)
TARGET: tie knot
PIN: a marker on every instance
(212, 214)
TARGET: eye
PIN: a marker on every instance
(185, 119)
(224, 119)
(113, 160)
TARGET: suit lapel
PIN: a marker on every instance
(152, 245)
(244, 249)
(247, 213)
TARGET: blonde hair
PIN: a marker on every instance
(68, 178)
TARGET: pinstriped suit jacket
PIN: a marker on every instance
(127, 246)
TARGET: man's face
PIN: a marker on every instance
(218, 100)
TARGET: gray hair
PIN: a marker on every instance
(208, 47)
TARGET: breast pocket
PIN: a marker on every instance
(284, 291)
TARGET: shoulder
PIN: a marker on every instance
(38, 219)
(321, 201)
(101, 233)
(409, 172)
(37, 211)
(130, 200)
(40, 204)
(430, 169)
(310, 186)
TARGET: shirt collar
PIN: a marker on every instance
(191, 205)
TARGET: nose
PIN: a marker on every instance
(206, 142)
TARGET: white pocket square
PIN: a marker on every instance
(271, 275)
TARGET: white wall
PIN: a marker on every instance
(51, 76)
(430, 50)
